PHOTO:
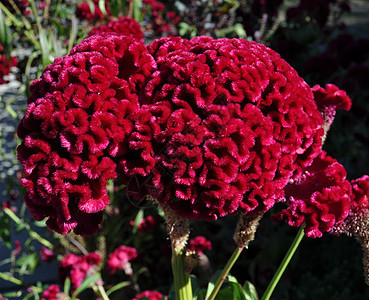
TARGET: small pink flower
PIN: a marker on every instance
(17, 249)
(199, 244)
(119, 259)
(77, 268)
(51, 293)
(152, 295)
(47, 254)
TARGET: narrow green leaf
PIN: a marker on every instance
(117, 287)
(138, 220)
(250, 290)
(73, 33)
(102, 7)
(91, 6)
(85, 284)
(137, 8)
(11, 111)
(212, 283)
(67, 284)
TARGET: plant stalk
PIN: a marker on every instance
(282, 267)
(182, 281)
(225, 272)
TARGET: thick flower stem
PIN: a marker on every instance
(224, 273)
(179, 231)
(282, 267)
(182, 282)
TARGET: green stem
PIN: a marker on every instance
(16, 281)
(31, 233)
(182, 281)
(102, 292)
(277, 276)
(225, 272)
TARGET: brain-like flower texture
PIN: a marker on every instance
(321, 198)
(207, 127)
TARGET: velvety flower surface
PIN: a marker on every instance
(123, 25)
(118, 260)
(78, 267)
(152, 295)
(207, 127)
(329, 100)
(51, 293)
(199, 244)
(224, 125)
(320, 198)
(79, 115)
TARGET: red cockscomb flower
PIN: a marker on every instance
(320, 198)
(224, 125)
(119, 259)
(79, 115)
(152, 295)
(207, 127)
(123, 25)
(199, 244)
(77, 268)
(329, 100)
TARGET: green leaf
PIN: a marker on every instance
(117, 287)
(91, 6)
(28, 263)
(136, 12)
(250, 290)
(102, 7)
(5, 35)
(232, 291)
(85, 284)
(66, 287)
(5, 230)
(211, 283)
(73, 33)
(138, 219)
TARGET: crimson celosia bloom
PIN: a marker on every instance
(199, 244)
(51, 293)
(320, 198)
(119, 259)
(357, 222)
(78, 267)
(84, 12)
(224, 125)
(152, 295)
(79, 115)
(207, 127)
(329, 100)
(123, 25)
